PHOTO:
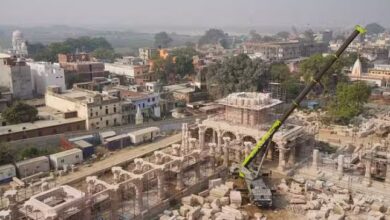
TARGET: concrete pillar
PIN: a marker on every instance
(239, 138)
(316, 156)
(226, 151)
(248, 146)
(238, 156)
(367, 174)
(282, 158)
(202, 131)
(160, 184)
(340, 166)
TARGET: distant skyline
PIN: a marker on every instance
(198, 13)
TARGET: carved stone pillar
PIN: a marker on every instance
(316, 158)
(340, 166)
(202, 131)
(139, 195)
(282, 156)
(226, 151)
(192, 145)
(12, 203)
(367, 174)
(179, 181)
(248, 146)
(291, 158)
(176, 150)
(212, 147)
(160, 184)
(219, 142)
(114, 204)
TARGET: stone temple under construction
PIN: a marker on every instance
(147, 186)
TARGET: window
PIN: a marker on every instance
(114, 121)
(148, 100)
(106, 122)
(153, 99)
(114, 109)
(101, 119)
(143, 105)
(101, 107)
(97, 113)
(106, 110)
(91, 114)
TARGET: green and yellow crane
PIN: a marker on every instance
(259, 193)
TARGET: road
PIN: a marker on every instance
(118, 158)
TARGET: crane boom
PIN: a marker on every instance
(266, 138)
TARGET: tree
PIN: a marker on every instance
(7, 154)
(214, 36)
(162, 40)
(32, 152)
(280, 73)
(283, 34)
(20, 112)
(348, 102)
(308, 36)
(312, 65)
(254, 36)
(375, 28)
(104, 54)
(236, 74)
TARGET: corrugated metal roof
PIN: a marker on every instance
(145, 130)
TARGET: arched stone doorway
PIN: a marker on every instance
(249, 139)
(210, 136)
(229, 134)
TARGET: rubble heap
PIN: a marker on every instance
(219, 202)
(324, 200)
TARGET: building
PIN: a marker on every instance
(44, 74)
(246, 118)
(40, 128)
(33, 166)
(283, 50)
(377, 76)
(66, 158)
(147, 53)
(135, 74)
(19, 45)
(97, 84)
(16, 77)
(80, 68)
(97, 109)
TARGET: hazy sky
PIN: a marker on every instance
(206, 13)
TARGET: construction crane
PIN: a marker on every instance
(259, 193)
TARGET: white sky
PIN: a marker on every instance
(207, 13)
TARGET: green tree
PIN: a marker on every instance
(254, 36)
(20, 112)
(7, 154)
(104, 54)
(280, 73)
(348, 102)
(283, 34)
(236, 74)
(375, 28)
(162, 40)
(32, 152)
(308, 36)
(214, 36)
(311, 66)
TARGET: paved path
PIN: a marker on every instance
(118, 158)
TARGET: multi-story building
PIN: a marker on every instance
(147, 53)
(15, 76)
(44, 74)
(80, 68)
(135, 74)
(98, 110)
(284, 50)
(377, 76)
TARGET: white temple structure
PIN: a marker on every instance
(19, 45)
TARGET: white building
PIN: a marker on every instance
(16, 76)
(66, 158)
(135, 73)
(99, 110)
(46, 74)
(19, 46)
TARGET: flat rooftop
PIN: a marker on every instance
(250, 100)
(9, 129)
